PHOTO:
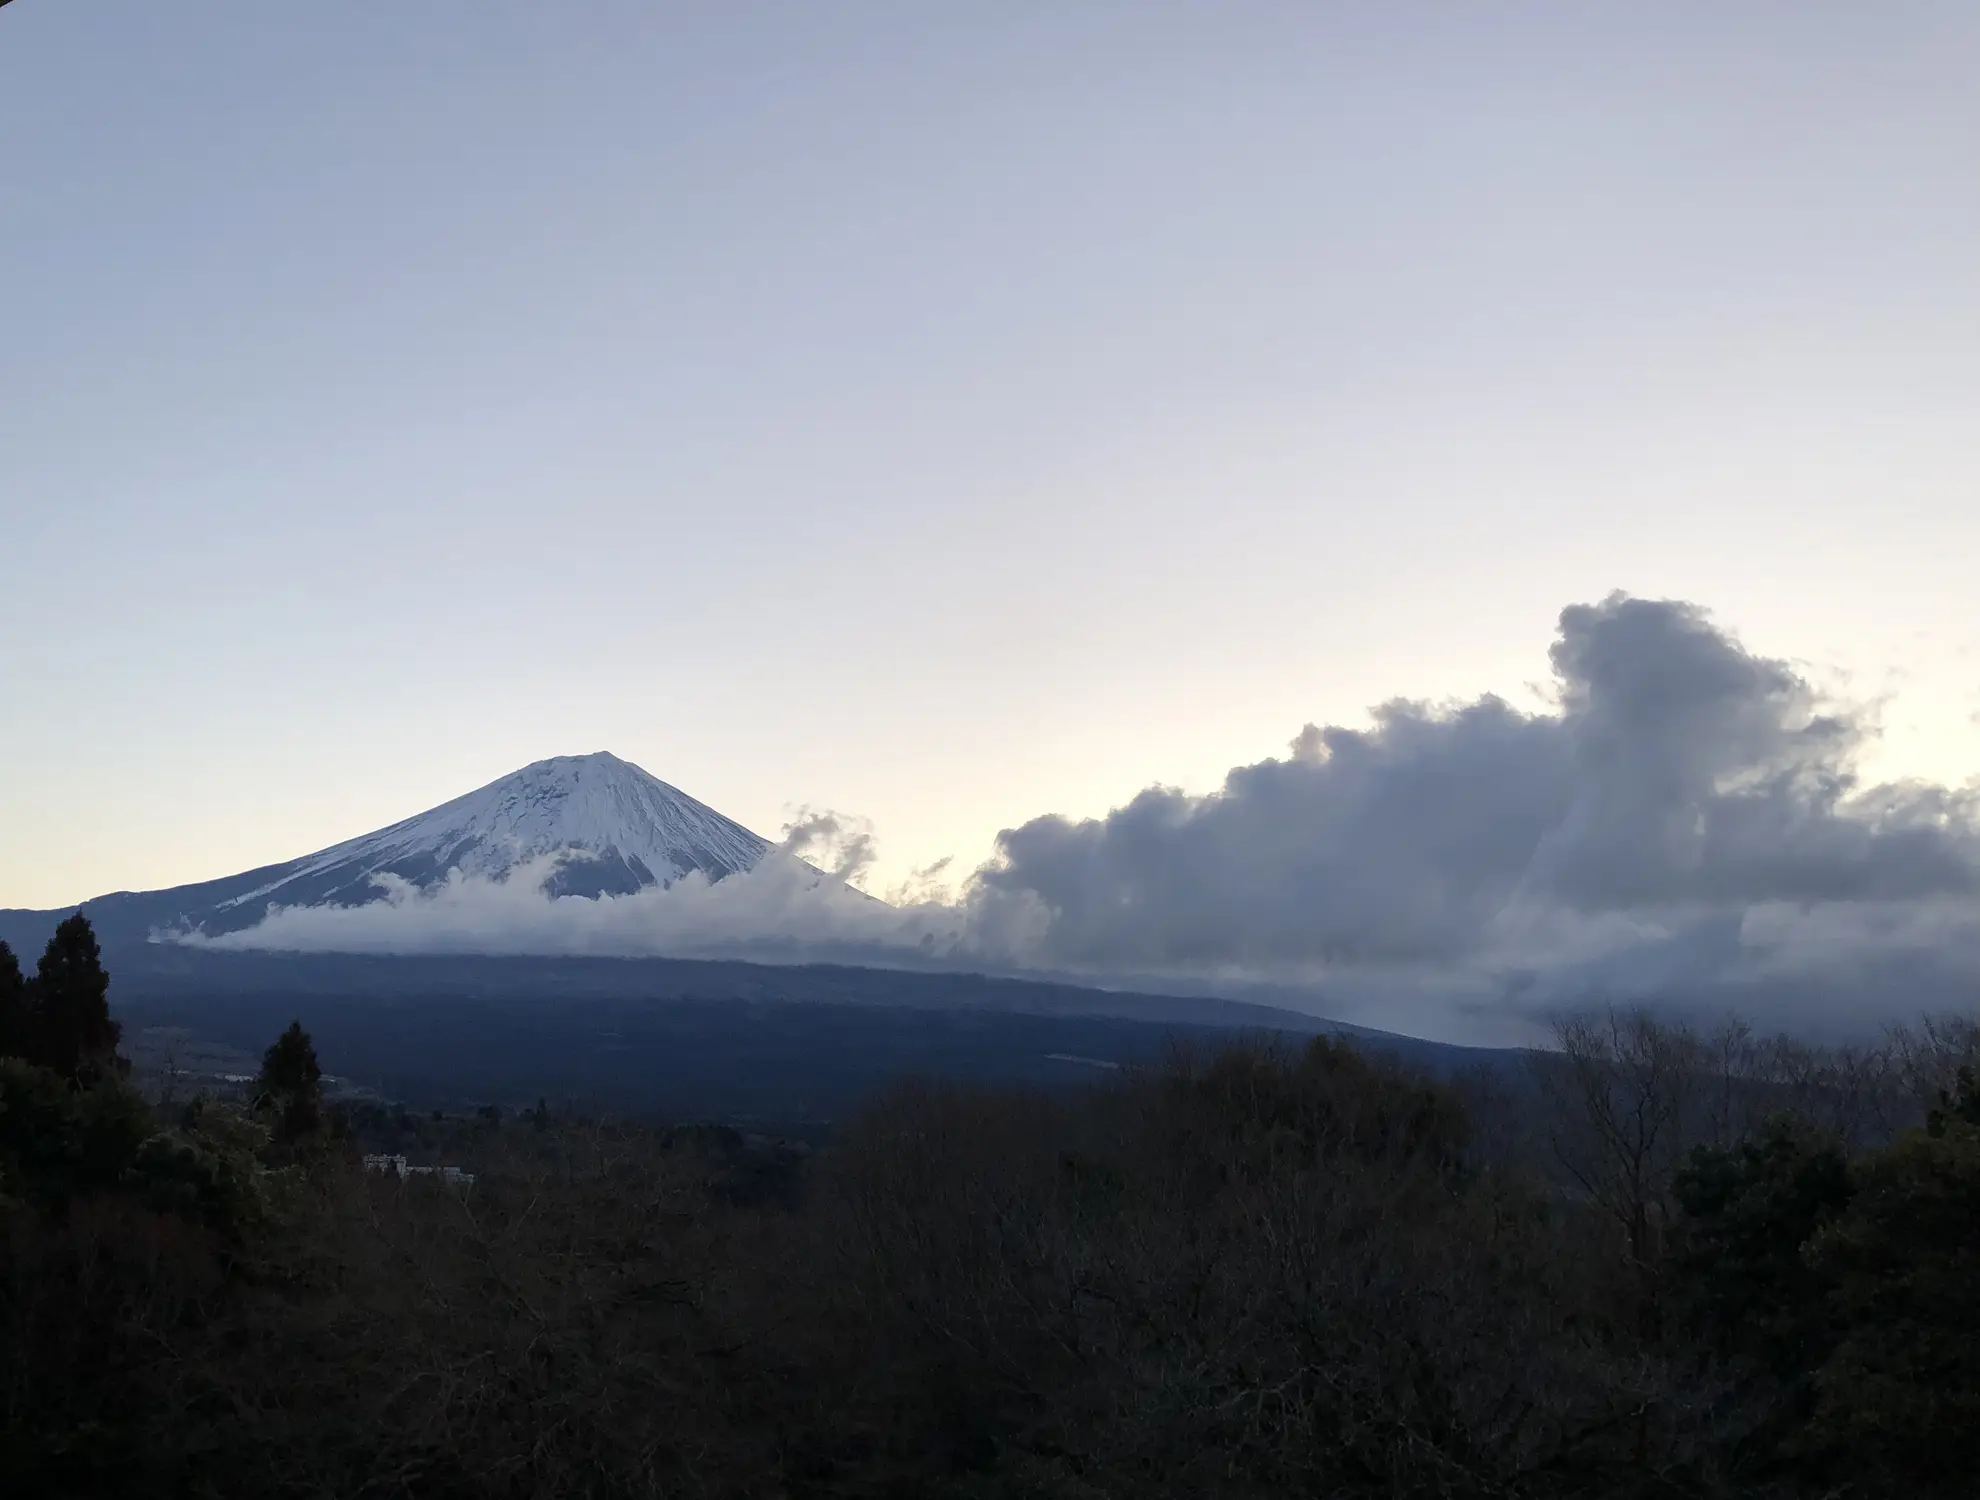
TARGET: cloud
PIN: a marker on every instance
(925, 884)
(1684, 822)
(782, 910)
(844, 847)
(1681, 822)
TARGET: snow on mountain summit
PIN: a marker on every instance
(614, 829)
(619, 828)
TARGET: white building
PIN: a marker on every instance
(398, 1167)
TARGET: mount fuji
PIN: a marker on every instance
(746, 1036)
(613, 827)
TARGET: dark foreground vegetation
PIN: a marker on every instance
(1662, 1264)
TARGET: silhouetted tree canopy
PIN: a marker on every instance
(290, 1086)
(13, 1005)
(69, 1030)
(1750, 1209)
(1256, 1272)
(1959, 1104)
(1901, 1393)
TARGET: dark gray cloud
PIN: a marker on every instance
(1685, 821)
(1382, 844)
(1698, 771)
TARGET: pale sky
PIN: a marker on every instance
(946, 414)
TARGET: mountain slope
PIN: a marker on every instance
(618, 828)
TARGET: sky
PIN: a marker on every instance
(951, 415)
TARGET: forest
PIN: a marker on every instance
(1659, 1260)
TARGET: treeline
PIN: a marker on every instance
(1661, 1262)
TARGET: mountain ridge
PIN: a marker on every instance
(612, 826)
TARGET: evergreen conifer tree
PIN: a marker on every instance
(1901, 1392)
(69, 1029)
(291, 1085)
(13, 1005)
(1960, 1104)
(1741, 1271)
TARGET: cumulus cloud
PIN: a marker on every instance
(1684, 823)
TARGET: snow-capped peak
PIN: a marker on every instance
(617, 827)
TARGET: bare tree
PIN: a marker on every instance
(1850, 1091)
(171, 1066)
(1629, 1096)
(1927, 1056)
